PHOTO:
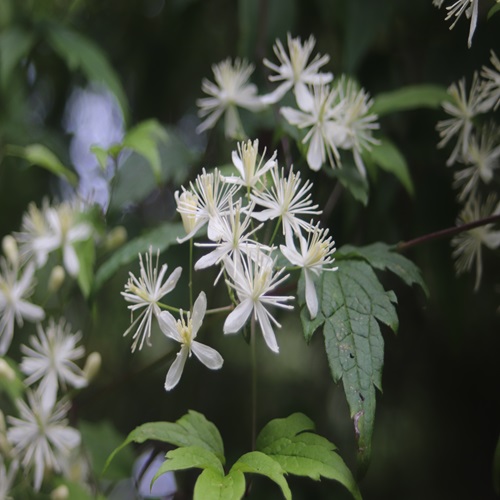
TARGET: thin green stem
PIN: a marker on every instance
(254, 381)
(191, 274)
(168, 308)
(448, 232)
(220, 309)
(275, 232)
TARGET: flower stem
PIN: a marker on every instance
(254, 381)
(448, 232)
(230, 307)
(168, 308)
(191, 274)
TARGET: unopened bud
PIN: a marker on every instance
(186, 206)
(56, 278)
(9, 247)
(115, 238)
(92, 365)
(5, 447)
(60, 493)
(6, 372)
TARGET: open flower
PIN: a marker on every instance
(458, 8)
(296, 71)
(230, 91)
(41, 436)
(314, 256)
(468, 245)
(185, 331)
(50, 360)
(490, 86)
(14, 305)
(253, 280)
(145, 292)
(287, 200)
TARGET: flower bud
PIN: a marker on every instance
(187, 203)
(60, 493)
(6, 372)
(9, 247)
(56, 279)
(115, 238)
(92, 365)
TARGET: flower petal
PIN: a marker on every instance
(176, 369)
(266, 327)
(237, 318)
(311, 296)
(207, 355)
(168, 325)
(199, 309)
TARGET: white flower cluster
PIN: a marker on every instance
(476, 155)
(334, 113)
(38, 438)
(239, 213)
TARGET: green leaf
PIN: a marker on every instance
(383, 257)
(188, 457)
(388, 157)
(144, 139)
(99, 439)
(102, 156)
(213, 485)
(310, 326)
(349, 176)
(15, 43)
(491, 12)
(257, 462)
(410, 97)
(303, 453)
(159, 239)
(42, 156)
(193, 429)
(81, 53)
(353, 303)
(85, 251)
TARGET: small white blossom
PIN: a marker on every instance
(14, 305)
(253, 280)
(209, 198)
(287, 200)
(296, 71)
(144, 293)
(314, 255)
(245, 160)
(39, 434)
(462, 109)
(322, 118)
(50, 360)
(458, 8)
(468, 245)
(482, 159)
(185, 331)
(230, 91)
(490, 86)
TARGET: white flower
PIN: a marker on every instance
(39, 433)
(184, 331)
(233, 240)
(7, 478)
(286, 200)
(145, 292)
(458, 8)
(315, 254)
(322, 115)
(230, 91)
(462, 109)
(294, 71)
(208, 199)
(50, 360)
(490, 87)
(245, 160)
(253, 280)
(468, 245)
(13, 303)
(356, 120)
(482, 158)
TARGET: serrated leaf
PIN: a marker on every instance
(310, 326)
(42, 156)
(410, 97)
(189, 457)
(15, 43)
(144, 139)
(82, 53)
(354, 302)
(303, 453)
(212, 485)
(256, 462)
(383, 257)
(193, 429)
(159, 239)
(388, 157)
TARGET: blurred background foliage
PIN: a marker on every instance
(438, 419)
